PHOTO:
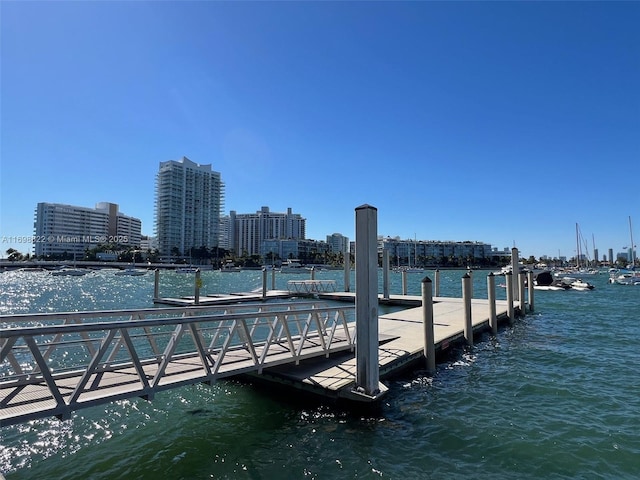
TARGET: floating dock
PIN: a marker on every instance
(401, 345)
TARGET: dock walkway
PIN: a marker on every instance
(401, 338)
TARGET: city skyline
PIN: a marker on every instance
(505, 123)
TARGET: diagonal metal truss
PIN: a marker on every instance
(54, 364)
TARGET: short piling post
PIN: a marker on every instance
(466, 297)
(264, 283)
(530, 286)
(347, 272)
(491, 295)
(198, 284)
(509, 279)
(385, 274)
(404, 282)
(521, 278)
(156, 283)
(427, 321)
(367, 362)
(436, 291)
(273, 278)
(313, 273)
(515, 269)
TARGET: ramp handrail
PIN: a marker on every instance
(55, 368)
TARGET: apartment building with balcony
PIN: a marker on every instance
(189, 200)
(69, 230)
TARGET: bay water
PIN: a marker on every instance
(555, 396)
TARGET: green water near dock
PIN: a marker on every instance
(556, 396)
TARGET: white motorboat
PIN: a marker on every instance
(132, 271)
(69, 271)
(293, 266)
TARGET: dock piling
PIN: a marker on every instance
(530, 281)
(436, 292)
(264, 283)
(367, 361)
(427, 320)
(347, 272)
(521, 278)
(491, 295)
(404, 282)
(466, 297)
(515, 269)
(385, 274)
(198, 284)
(509, 278)
(156, 283)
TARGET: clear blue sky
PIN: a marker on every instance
(498, 122)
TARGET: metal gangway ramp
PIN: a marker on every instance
(53, 364)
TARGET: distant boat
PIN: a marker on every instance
(292, 266)
(629, 276)
(69, 271)
(229, 267)
(132, 271)
(187, 269)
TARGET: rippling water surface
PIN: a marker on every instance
(555, 396)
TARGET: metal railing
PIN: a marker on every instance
(53, 364)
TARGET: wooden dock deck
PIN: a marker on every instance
(212, 300)
(401, 345)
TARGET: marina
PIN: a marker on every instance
(136, 353)
(510, 378)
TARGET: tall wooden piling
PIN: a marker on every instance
(521, 278)
(466, 298)
(156, 283)
(427, 320)
(347, 272)
(264, 283)
(385, 274)
(491, 296)
(531, 288)
(436, 289)
(509, 279)
(404, 282)
(198, 284)
(367, 362)
(515, 269)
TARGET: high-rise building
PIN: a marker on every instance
(189, 199)
(338, 243)
(247, 231)
(70, 230)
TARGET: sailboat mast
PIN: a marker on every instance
(577, 247)
(633, 262)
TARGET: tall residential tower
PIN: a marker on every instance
(189, 199)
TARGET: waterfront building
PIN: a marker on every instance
(274, 250)
(338, 243)
(69, 230)
(189, 199)
(432, 252)
(247, 231)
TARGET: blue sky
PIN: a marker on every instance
(500, 122)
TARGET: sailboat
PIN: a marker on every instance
(65, 270)
(629, 276)
(415, 268)
(579, 270)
